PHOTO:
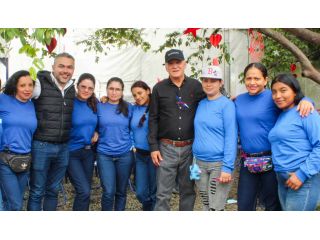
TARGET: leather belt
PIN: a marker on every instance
(177, 143)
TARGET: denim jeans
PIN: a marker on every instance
(146, 185)
(303, 199)
(213, 194)
(80, 172)
(176, 161)
(13, 187)
(48, 168)
(1, 204)
(257, 185)
(114, 173)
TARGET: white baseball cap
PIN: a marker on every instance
(214, 72)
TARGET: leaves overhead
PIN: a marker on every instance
(33, 43)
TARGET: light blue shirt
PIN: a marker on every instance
(114, 130)
(140, 134)
(216, 132)
(295, 143)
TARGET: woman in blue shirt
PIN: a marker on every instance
(215, 142)
(295, 144)
(256, 115)
(114, 155)
(145, 169)
(82, 136)
(19, 122)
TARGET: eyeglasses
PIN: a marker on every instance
(83, 88)
(111, 89)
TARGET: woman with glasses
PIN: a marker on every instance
(83, 135)
(114, 155)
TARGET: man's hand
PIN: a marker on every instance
(293, 182)
(156, 158)
(304, 108)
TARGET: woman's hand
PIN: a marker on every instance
(225, 177)
(304, 108)
(293, 182)
(104, 99)
(95, 137)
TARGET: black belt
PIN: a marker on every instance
(143, 152)
(259, 154)
(14, 153)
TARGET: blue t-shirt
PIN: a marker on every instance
(84, 123)
(114, 130)
(256, 115)
(216, 132)
(295, 143)
(19, 123)
(140, 134)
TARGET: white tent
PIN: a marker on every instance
(132, 63)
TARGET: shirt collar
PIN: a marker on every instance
(183, 82)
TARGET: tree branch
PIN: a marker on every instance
(305, 34)
(308, 69)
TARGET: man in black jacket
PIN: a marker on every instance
(173, 106)
(53, 98)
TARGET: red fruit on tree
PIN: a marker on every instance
(293, 67)
(215, 39)
(52, 45)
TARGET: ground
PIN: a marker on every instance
(65, 200)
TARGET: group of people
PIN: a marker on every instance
(51, 128)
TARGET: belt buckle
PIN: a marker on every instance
(87, 147)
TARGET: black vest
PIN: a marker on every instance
(54, 112)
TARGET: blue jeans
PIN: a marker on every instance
(13, 187)
(146, 185)
(114, 172)
(303, 199)
(1, 204)
(80, 172)
(49, 165)
(254, 185)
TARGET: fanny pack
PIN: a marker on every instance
(17, 162)
(258, 162)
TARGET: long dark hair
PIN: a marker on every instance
(91, 101)
(11, 85)
(143, 85)
(123, 105)
(292, 82)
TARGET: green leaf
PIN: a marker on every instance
(33, 73)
